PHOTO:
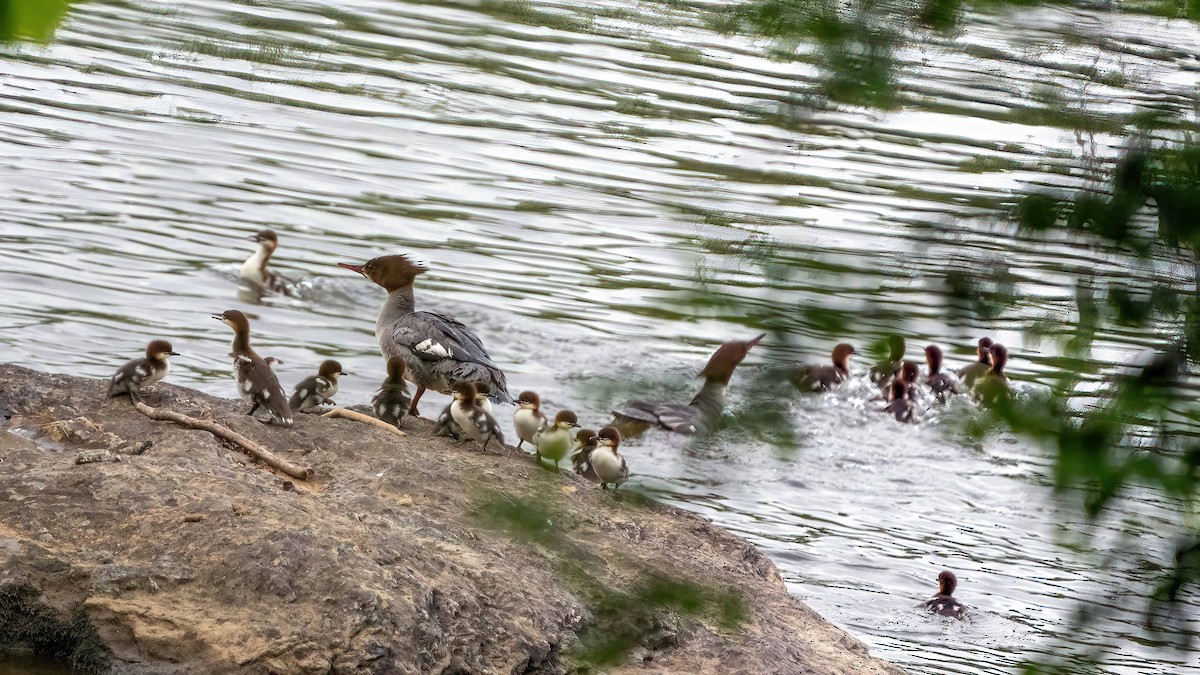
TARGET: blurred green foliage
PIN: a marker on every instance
(34, 20)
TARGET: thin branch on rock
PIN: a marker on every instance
(254, 449)
(365, 419)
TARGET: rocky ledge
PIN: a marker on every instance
(167, 551)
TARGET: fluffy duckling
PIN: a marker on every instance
(586, 441)
(900, 404)
(132, 377)
(528, 417)
(391, 402)
(318, 389)
(823, 378)
(607, 463)
(909, 375)
(944, 604)
(968, 374)
(940, 383)
(255, 271)
(554, 441)
(883, 372)
(256, 382)
(634, 417)
(474, 421)
(993, 386)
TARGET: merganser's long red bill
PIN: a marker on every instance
(352, 268)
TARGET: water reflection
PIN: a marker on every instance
(570, 190)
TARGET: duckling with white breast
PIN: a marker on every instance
(132, 377)
(316, 390)
(391, 402)
(256, 382)
(586, 442)
(255, 270)
(554, 441)
(607, 463)
(474, 421)
(528, 417)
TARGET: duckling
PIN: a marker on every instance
(256, 382)
(900, 403)
(993, 386)
(944, 604)
(554, 442)
(823, 378)
(909, 375)
(132, 377)
(317, 389)
(255, 271)
(474, 421)
(608, 464)
(391, 402)
(528, 417)
(968, 374)
(940, 383)
(586, 441)
(882, 372)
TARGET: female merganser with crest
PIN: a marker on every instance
(437, 350)
(255, 271)
(944, 604)
(634, 417)
(256, 382)
(138, 373)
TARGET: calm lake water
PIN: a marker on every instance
(573, 173)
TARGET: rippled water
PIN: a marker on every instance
(572, 174)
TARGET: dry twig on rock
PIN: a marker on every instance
(254, 449)
(365, 419)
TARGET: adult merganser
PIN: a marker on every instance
(634, 417)
(132, 377)
(993, 386)
(255, 271)
(438, 350)
(900, 404)
(256, 382)
(474, 421)
(823, 378)
(554, 441)
(608, 464)
(529, 418)
(586, 441)
(882, 372)
(968, 374)
(944, 604)
(392, 400)
(940, 383)
(318, 389)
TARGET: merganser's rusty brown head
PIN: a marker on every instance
(933, 359)
(235, 320)
(726, 359)
(531, 401)
(159, 350)
(330, 369)
(981, 350)
(947, 582)
(841, 356)
(997, 357)
(609, 436)
(266, 239)
(396, 368)
(565, 419)
(390, 271)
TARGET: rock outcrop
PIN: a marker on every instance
(168, 551)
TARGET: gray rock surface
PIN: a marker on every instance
(403, 555)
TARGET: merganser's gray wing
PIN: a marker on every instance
(642, 411)
(677, 417)
(454, 348)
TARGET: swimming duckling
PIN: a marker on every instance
(883, 372)
(940, 383)
(900, 404)
(472, 419)
(391, 402)
(255, 271)
(944, 604)
(823, 378)
(909, 375)
(528, 417)
(608, 464)
(256, 382)
(318, 389)
(586, 441)
(554, 441)
(634, 417)
(993, 386)
(968, 374)
(132, 377)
